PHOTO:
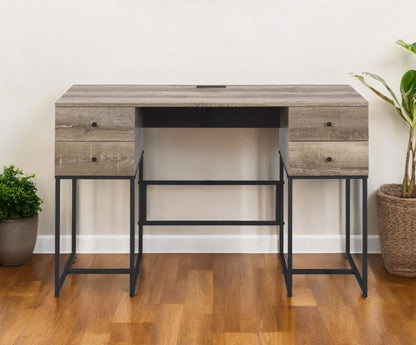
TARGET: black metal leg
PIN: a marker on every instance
(144, 209)
(142, 206)
(289, 237)
(347, 217)
(60, 278)
(57, 233)
(74, 216)
(139, 223)
(365, 238)
(132, 233)
(281, 204)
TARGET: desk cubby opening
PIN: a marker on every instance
(211, 117)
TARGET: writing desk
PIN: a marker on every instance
(323, 133)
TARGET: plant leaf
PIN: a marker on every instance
(18, 194)
(409, 47)
(394, 102)
(381, 80)
(378, 93)
(408, 91)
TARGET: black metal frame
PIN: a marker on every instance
(278, 185)
(287, 266)
(134, 269)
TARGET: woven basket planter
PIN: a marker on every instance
(397, 222)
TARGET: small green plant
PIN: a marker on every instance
(18, 195)
(406, 108)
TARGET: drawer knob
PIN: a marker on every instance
(93, 159)
(329, 124)
(329, 159)
(94, 124)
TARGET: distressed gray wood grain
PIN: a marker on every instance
(231, 96)
(110, 123)
(328, 123)
(305, 140)
(310, 158)
(112, 158)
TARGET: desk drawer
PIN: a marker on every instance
(96, 158)
(95, 123)
(328, 123)
(338, 158)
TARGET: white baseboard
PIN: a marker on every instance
(206, 244)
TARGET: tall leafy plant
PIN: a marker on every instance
(18, 195)
(406, 108)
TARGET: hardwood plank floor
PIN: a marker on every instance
(205, 299)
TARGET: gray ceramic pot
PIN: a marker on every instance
(17, 240)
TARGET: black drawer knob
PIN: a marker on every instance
(94, 124)
(93, 159)
(329, 159)
(329, 124)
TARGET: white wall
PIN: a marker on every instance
(46, 46)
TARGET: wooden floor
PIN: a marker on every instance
(207, 299)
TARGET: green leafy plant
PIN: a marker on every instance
(406, 108)
(18, 195)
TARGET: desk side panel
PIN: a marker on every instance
(139, 137)
(284, 136)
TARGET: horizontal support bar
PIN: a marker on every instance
(323, 271)
(99, 271)
(212, 182)
(327, 177)
(94, 177)
(210, 222)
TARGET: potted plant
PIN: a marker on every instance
(396, 203)
(19, 208)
